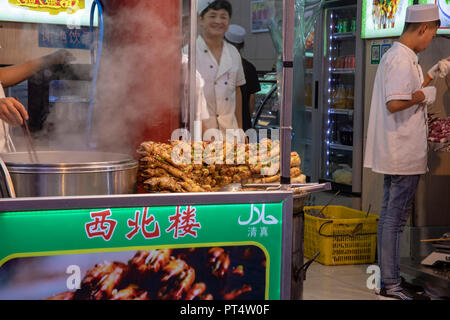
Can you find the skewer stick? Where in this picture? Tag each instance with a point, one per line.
(430, 240)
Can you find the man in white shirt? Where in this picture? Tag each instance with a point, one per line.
(220, 65)
(397, 140)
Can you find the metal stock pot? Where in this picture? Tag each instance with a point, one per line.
(71, 173)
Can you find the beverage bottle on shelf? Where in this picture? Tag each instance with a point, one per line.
(339, 63)
(340, 97)
(350, 100)
(343, 96)
(333, 97)
(353, 25)
(345, 26)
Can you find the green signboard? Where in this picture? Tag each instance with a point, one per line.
(230, 251)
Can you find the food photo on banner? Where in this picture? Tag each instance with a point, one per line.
(261, 14)
(197, 273)
(383, 18)
(444, 14)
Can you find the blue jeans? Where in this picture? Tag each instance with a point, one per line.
(398, 197)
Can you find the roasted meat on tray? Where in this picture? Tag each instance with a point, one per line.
(201, 167)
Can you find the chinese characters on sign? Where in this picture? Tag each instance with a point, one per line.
(51, 6)
(101, 227)
(183, 223)
(56, 36)
(142, 226)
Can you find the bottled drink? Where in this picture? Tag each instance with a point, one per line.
(345, 26)
(333, 97)
(353, 26)
(350, 99)
(340, 97)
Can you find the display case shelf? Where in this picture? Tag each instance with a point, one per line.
(342, 71)
(344, 36)
(348, 112)
(340, 147)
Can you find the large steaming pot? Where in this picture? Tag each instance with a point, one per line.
(71, 173)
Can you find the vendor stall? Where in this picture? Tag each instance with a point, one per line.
(106, 225)
(204, 246)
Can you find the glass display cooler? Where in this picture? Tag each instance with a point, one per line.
(342, 107)
(328, 126)
(266, 115)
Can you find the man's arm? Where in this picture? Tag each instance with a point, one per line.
(13, 75)
(399, 105)
(10, 76)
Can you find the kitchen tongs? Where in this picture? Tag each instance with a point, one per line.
(29, 142)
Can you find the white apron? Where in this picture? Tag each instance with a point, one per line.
(397, 142)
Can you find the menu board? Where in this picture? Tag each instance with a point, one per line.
(383, 18)
(68, 12)
(444, 14)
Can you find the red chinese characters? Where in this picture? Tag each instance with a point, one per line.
(184, 223)
(101, 226)
(145, 221)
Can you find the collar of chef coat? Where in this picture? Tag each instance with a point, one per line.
(411, 54)
(226, 62)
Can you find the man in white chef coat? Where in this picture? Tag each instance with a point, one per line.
(12, 112)
(220, 65)
(397, 140)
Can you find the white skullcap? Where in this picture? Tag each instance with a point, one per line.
(422, 13)
(203, 4)
(235, 34)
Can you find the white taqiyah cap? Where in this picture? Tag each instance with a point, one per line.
(235, 34)
(422, 13)
(203, 4)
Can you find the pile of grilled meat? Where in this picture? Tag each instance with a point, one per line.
(202, 167)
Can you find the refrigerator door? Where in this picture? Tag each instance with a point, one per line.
(266, 115)
(306, 115)
(341, 155)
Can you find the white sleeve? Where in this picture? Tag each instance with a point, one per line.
(399, 80)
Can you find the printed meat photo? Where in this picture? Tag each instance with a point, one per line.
(221, 273)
